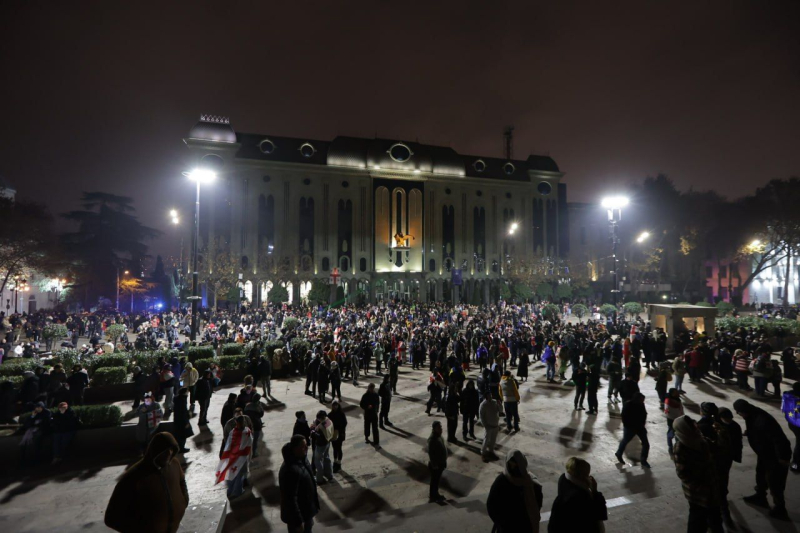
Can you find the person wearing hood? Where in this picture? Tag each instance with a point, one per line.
(167, 388)
(634, 421)
(515, 499)
(437, 461)
(489, 415)
(29, 390)
(773, 449)
(150, 415)
(694, 464)
(579, 506)
(790, 407)
(509, 395)
(204, 388)
(152, 494)
(227, 409)
(339, 419)
(246, 393)
(34, 429)
(139, 380)
(190, 377)
(299, 500)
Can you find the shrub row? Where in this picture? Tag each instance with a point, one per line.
(93, 416)
(233, 348)
(111, 375)
(194, 353)
(771, 327)
(17, 367)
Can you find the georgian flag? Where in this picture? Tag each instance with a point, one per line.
(235, 455)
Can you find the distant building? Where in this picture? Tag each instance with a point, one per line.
(396, 218)
(724, 280)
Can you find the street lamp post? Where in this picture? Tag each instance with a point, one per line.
(614, 205)
(175, 221)
(198, 175)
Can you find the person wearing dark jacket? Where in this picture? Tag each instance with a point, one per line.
(8, 402)
(203, 391)
(34, 430)
(264, 370)
(152, 494)
(385, 393)
(139, 380)
(515, 499)
(29, 390)
(634, 419)
(451, 411)
(323, 379)
(299, 500)
(246, 394)
(628, 388)
(65, 424)
(370, 403)
(255, 411)
(182, 428)
(768, 441)
(227, 409)
(469, 409)
(339, 420)
(335, 376)
(579, 506)
(437, 461)
(301, 426)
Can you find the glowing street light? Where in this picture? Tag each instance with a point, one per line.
(614, 205)
(615, 202)
(202, 175)
(511, 229)
(643, 236)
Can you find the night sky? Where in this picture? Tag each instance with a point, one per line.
(99, 95)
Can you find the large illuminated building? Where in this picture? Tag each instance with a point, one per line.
(396, 218)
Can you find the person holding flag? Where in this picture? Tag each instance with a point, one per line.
(234, 458)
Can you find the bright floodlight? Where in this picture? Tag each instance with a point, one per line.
(643, 236)
(755, 244)
(175, 220)
(173, 213)
(202, 175)
(615, 202)
(514, 226)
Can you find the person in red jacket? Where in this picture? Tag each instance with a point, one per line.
(694, 360)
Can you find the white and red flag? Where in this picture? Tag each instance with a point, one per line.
(235, 455)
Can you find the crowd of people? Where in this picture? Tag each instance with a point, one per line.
(475, 359)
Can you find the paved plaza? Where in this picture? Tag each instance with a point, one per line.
(386, 489)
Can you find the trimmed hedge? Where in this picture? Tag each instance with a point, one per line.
(113, 360)
(92, 416)
(301, 345)
(233, 348)
(769, 327)
(68, 357)
(195, 353)
(111, 375)
(16, 380)
(54, 331)
(232, 362)
(202, 364)
(16, 367)
(271, 346)
(290, 323)
(115, 331)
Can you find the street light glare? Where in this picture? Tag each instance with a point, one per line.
(643, 236)
(175, 220)
(756, 243)
(514, 226)
(202, 175)
(615, 202)
(173, 213)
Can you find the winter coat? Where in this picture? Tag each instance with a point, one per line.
(189, 376)
(65, 423)
(299, 500)
(469, 402)
(628, 389)
(576, 509)
(370, 399)
(227, 411)
(339, 420)
(766, 436)
(437, 453)
(506, 505)
(385, 393)
(508, 390)
(451, 406)
(182, 429)
(301, 427)
(522, 369)
(149, 419)
(204, 388)
(697, 473)
(679, 366)
(147, 498)
(256, 414)
(489, 413)
(634, 415)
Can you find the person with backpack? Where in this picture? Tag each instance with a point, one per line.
(322, 434)
(790, 407)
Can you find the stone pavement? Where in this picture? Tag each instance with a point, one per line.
(386, 490)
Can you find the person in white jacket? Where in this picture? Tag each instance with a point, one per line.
(489, 415)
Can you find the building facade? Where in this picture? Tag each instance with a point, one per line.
(378, 217)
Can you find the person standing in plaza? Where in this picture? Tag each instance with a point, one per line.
(339, 419)
(489, 414)
(437, 461)
(694, 464)
(741, 365)
(150, 415)
(469, 409)
(370, 403)
(152, 494)
(509, 395)
(516, 497)
(385, 393)
(190, 376)
(322, 434)
(634, 419)
(65, 424)
(592, 384)
(673, 409)
(299, 499)
(182, 428)
(204, 388)
(234, 458)
(255, 412)
(614, 370)
(579, 506)
(790, 407)
(451, 411)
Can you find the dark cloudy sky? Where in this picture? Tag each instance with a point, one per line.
(98, 95)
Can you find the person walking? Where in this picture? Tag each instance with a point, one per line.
(437, 461)
(299, 499)
(227, 409)
(182, 428)
(339, 419)
(634, 419)
(773, 450)
(790, 407)
(370, 403)
(385, 393)
(509, 395)
(469, 409)
(451, 411)
(152, 494)
(579, 506)
(489, 414)
(694, 464)
(234, 462)
(614, 370)
(435, 387)
(516, 497)
(204, 388)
